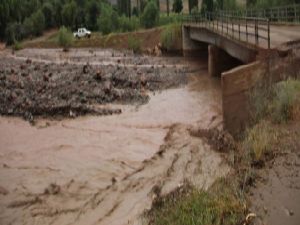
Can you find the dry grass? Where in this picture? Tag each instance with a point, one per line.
(222, 204)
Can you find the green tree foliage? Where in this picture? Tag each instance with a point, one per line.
(93, 11)
(48, 12)
(124, 7)
(177, 6)
(65, 38)
(38, 22)
(207, 5)
(150, 15)
(108, 21)
(69, 12)
(193, 4)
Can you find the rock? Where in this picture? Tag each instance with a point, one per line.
(45, 78)
(85, 68)
(157, 51)
(53, 189)
(107, 87)
(28, 61)
(98, 75)
(3, 191)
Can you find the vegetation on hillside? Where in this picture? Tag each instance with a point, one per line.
(21, 19)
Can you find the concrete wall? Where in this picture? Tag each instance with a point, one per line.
(220, 61)
(191, 47)
(238, 82)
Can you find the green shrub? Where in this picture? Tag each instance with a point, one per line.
(65, 38)
(286, 100)
(221, 205)
(164, 19)
(134, 44)
(278, 102)
(259, 141)
(17, 46)
(128, 24)
(170, 35)
(150, 15)
(14, 32)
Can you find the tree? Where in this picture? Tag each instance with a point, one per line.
(124, 7)
(168, 7)
(93, 11)
(150, 15)
(47, 10)
(69, 14)
(192, 4)
(108, 21)
(207, 5)
(38, 21)
(65, 38)
(177, 6)
(4, 17)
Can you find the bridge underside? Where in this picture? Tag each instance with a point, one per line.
(196, 38)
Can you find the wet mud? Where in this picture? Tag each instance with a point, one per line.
(41, 85)
(109, 170)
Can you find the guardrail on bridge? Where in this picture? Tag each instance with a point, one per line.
(251, 30)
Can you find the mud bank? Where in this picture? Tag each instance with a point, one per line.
(108, 170)
(52, 83)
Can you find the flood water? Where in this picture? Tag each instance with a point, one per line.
(91, 150)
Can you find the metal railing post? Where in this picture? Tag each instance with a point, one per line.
(256, 31)
(269, 38)
(247, 30)
(239, 29)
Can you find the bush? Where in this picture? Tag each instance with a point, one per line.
(134, 44)
(164, 19)
(221, 204)
(65, 38)
(128, 24)
(280, 102)
(170, 35)
(259, 141)
(17, 46)
(286, 100)
(14, 32)
(150, 15)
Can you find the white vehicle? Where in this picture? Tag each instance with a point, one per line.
(82, 32)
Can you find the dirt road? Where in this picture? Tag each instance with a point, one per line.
(108, 170)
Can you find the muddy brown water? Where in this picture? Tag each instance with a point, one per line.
(103, 170)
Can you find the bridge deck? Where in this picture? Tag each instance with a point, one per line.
(279, 34)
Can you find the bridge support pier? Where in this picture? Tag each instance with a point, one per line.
(220, 61)
(191, 47)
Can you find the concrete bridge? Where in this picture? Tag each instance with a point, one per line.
(242, 43)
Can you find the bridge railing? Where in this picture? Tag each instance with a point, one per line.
(252, 30)
(281, 14)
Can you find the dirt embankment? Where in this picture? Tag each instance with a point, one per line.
(276, 195)
(31, 87)
(148, 40)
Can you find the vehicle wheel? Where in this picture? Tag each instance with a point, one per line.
(89, 36)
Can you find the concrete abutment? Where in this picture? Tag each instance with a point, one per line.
(220, 61)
